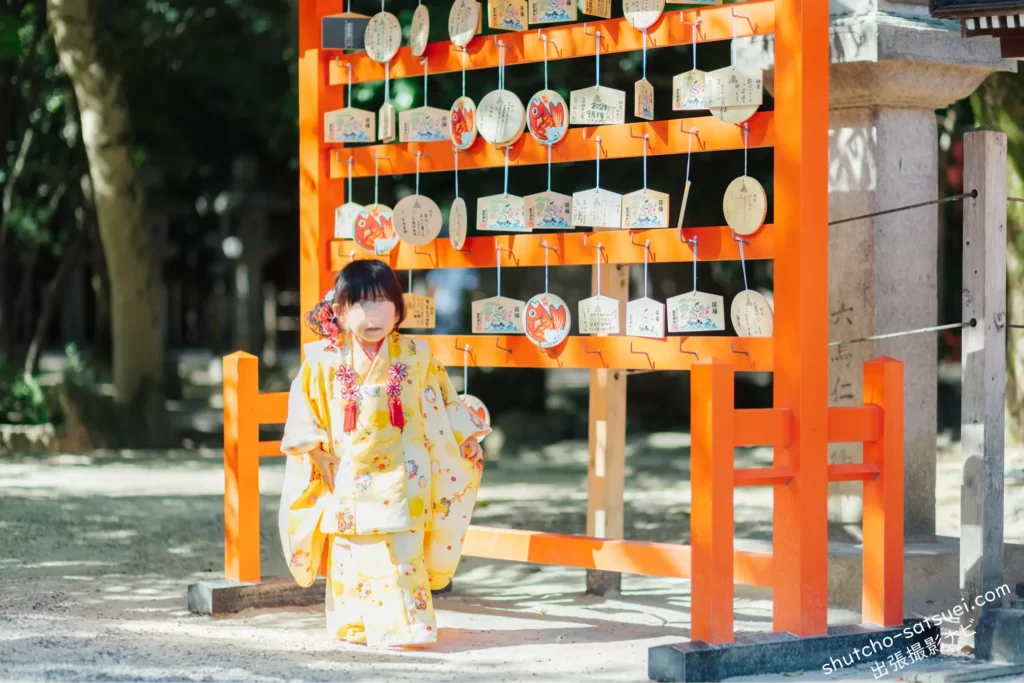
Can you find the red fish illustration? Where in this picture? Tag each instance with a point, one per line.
(540, 320)
(372, 227)
(479, 414)
(544, 115)
(462, 122)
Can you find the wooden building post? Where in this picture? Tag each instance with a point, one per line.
(606, 469)
(983, 364)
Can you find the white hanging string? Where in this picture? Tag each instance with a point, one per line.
(647, 246)
(549, 167)
(746, 131)
(387, 83)
(350, 178)
(599, 248)
(501, 65)
(455, 152)
(646, 136)
(693, 41)
(348, 96)
(418, 155)
(547, 253)
(497, 248)
(597, 183)
(545, 39)
(410, 281)
(465, 369)
(743, 264)
(424, 62)
(506, 171)
(689, 151)
(376, 180)
(694, 243)
(643, 52)
(597, 59)
(463, 73)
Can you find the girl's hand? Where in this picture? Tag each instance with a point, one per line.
(472, 451)
(325, 463)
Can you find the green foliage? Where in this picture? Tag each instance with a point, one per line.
(22, 400)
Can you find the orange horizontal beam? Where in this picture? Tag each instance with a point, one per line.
(612, 555)
(852, 424)
(762, 476)
(269, 449)
(617, 142)
(762, 427)
(858, 471)
(272, 408)
(618, 247)
(619, 353)
(567, 41)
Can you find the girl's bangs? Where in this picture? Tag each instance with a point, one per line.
(359, 289)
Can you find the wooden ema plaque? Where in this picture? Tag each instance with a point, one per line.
(345, 220)
(350, 125)
(420, 312)
(417, 219)
(598, 8)
(464, 21)
(597, 106)
(507, 15)
(645, 209)
(462, 123)
(383, 37)
(597, 208)
(732, 94)
(498, 315)
(599, 315)
(548, 211)
(645, 318)
(546, 320)
(502, 213)
(642, 14)
(552, 11)
(688, 91)
(458, 223)
(419, 32)
(745, 205)
(423, 124)
(696, 312)
(752, 315)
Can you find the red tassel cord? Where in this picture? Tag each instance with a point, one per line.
(397, 415)
(396, 374)
(351, 410)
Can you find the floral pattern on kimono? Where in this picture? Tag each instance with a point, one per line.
(393, 486)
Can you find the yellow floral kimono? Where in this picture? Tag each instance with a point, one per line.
(393, 527)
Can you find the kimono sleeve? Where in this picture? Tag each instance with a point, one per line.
(463, 423)
(305, 426)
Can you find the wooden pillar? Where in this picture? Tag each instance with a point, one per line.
(318, 194)
(606, 471)
(712, 527)
(983, 364)
(800, 520)
(882, 599)
(241, 468)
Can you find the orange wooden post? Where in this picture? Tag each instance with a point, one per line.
(241, 468)
(800, 540)
(712, 412)
(318, 194)
(883, 497)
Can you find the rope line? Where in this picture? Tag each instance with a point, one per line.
(938, 328)
(943, 200)
(1015, 199)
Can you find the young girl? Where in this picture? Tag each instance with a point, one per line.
(383, 465)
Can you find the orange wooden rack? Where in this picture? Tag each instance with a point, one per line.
(800, 425)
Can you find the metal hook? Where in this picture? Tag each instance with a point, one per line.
(693, 132)
(735, 350)
(646, 137)
(598, 352)
(600, 148)
(641, 353)
(377, 158)
(596, 34)
(599, 246)
(646, 245)
(433, 257)
(682, 350)
(753, 26)
(510, 251)
(739, 239)
(544, 245)
(695, 24)
(543, 36)
(498, 344)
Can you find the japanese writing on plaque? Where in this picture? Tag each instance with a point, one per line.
(597, 106)
(420, 312)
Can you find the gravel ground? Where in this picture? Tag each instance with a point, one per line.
(98, 551)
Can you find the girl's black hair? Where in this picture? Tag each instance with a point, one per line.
(362, 280)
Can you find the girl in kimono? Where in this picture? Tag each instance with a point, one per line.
(383, 468)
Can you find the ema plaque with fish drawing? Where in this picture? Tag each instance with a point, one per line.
(552, 11)
(547, 117)
(645, 209)
(645, 318)
(478, 413)
(462, 123)
(375, 230)
(350, 125)
(501, 212)
(696, 312)
(548, 211)
(423, 124)
(498, 315)
(546, 320)
(507, 15)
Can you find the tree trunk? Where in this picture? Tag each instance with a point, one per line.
(119, 200)
(999, 103)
